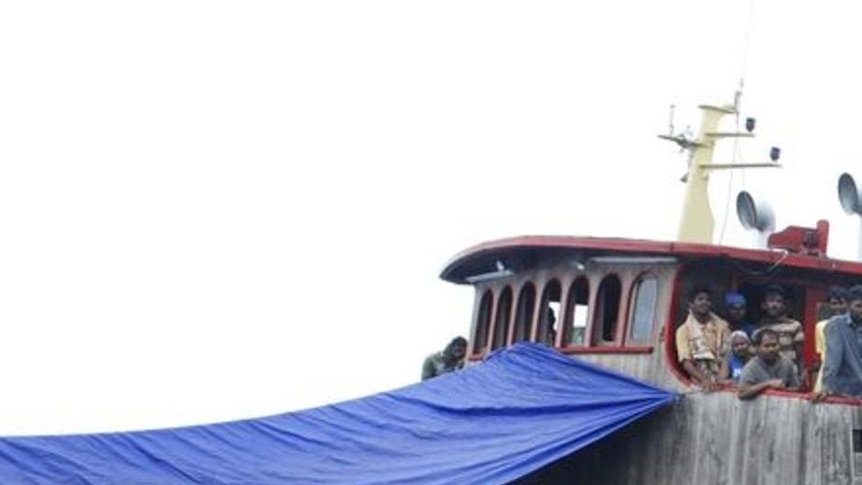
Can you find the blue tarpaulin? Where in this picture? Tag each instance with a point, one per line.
(521, 409)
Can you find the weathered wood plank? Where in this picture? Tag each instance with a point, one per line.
(717, 439)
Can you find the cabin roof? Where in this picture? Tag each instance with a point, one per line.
(525, 252)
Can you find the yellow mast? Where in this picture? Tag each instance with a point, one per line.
(697, 222)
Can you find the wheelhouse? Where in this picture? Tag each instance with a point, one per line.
(606, 299)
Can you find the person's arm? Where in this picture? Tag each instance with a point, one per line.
(682, 351)
(833, 358)
(724, 353)
(820, 341)
(748, 391)
(813, 372)
(684, 355)
(724, 370)
(428, 370)
(820, 347)
(800, 367)
(699, 377)
(798, 346)
(793, 383)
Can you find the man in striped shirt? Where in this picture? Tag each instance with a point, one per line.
(790, 334)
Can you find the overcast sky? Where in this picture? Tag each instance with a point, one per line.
(219, 210)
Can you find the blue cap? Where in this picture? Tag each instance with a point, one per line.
(733, 299)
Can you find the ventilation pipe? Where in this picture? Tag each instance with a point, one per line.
(851, 202)
(757, 215)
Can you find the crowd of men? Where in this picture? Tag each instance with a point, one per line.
(756, 356)
(733, 351)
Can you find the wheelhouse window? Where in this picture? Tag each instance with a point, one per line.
(501, 323)
(546, 332)
(577, 307)
(483, 322)
(739, 296)
(607, 310)
(643, 310)
(524, 315)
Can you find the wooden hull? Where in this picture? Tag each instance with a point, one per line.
(718, 439)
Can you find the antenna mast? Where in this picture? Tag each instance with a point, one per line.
(697, 223)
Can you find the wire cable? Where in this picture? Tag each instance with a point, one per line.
(735, 154)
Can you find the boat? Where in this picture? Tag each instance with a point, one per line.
(572, 374)
(617, 303)
(571, 377)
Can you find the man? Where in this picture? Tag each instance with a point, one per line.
(837, 305)
(768, 369)
(702, 341)
(740, 354)
(842, 367)
(550, 329)
(736, 312)
(790, 335)
(449, 360)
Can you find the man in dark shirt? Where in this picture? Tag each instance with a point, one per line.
(449, 360)
(842, 367)
(769, 369)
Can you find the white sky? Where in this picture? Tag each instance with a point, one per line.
(220, 210)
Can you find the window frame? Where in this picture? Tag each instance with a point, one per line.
(542, 323)
(522, 322)
(569, 306)
(503, 330)
(632, 308)
(482, 326)
(597, 323)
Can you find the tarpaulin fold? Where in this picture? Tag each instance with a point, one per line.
(522, 408)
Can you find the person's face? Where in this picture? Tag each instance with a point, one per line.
(701, 305)
(739, 346)
(456, 351)
(768, 349)
(855, 311)
(837, 306)
(773, 305)
(736, 313)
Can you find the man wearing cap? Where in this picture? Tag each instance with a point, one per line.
(736, 312)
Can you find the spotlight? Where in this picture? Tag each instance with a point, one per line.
(749, 124)
(774, 154)
(848, 194)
